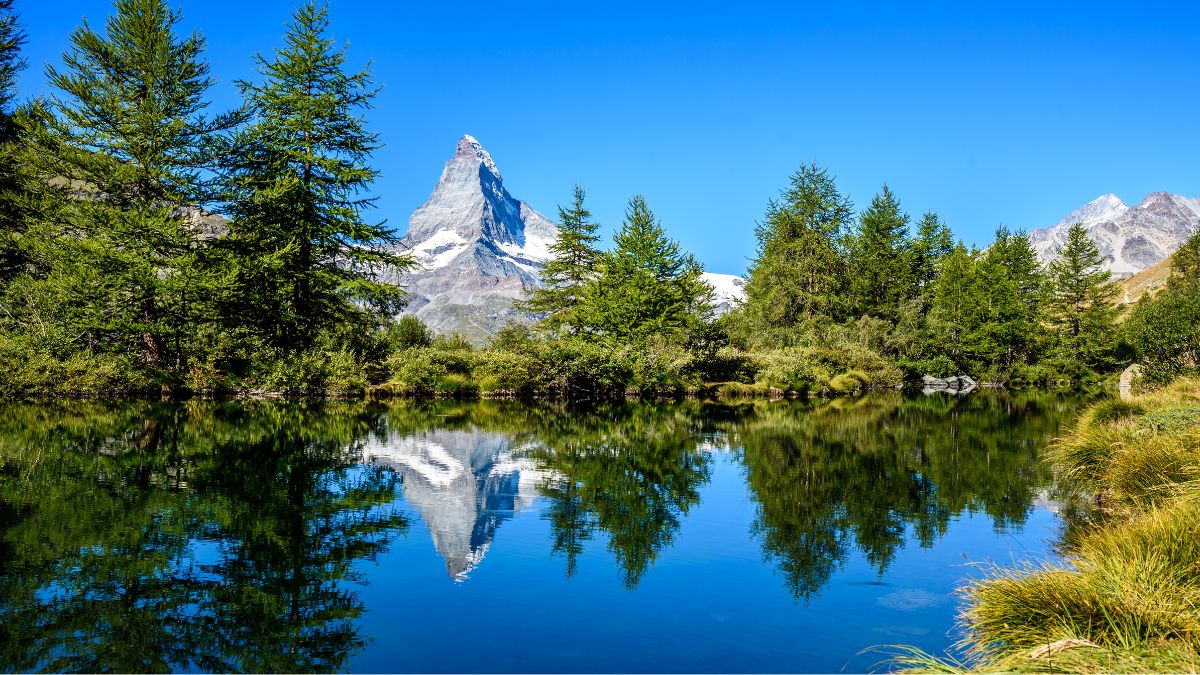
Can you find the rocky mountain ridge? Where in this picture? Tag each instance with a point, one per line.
(480, 249)
(1131, 238)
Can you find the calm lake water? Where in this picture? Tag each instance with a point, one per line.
(449, 537)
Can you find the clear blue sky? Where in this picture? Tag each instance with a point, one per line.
(988, 113)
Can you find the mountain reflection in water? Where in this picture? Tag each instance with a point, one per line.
(237, 536)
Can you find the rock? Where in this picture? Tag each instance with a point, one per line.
(957, 384)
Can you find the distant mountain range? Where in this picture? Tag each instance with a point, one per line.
(1131, 238)
(480, 249)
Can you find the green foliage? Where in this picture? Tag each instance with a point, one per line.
(1081, 306)
(1165, 332)
(645, 286)
(125, 155)
(565, 275)
(407, 331)
(1185, 263)
(302, 254)
(878, 258)
(12, 221)
(798, 276)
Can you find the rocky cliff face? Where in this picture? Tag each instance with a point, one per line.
(479, 248)
(1131, 238)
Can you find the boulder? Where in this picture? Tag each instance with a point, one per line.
(957, 384)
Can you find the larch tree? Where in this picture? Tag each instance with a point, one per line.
(1081, 305)
(304, 256)
(128, 150)
(797, 277)
(12, 38)
(645, 285)
(573, 264)
(879, 266)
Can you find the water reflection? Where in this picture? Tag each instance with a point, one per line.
(148, 537)
(155, 538)
(464, 483)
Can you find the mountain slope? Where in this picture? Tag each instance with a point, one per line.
(479, 248)
(1131, 238)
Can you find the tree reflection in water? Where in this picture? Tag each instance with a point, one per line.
(143, 537)
(150, 537)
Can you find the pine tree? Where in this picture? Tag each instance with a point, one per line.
(797, 278)
(879, 262)
(646, 285)
(1185, 263)
(956, 306)
(932, 243)
(1014, 287)
(304, 256)
(127, 151)
(573, 264)
(1081, 305)
(12, 37)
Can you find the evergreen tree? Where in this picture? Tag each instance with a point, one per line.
(1081, 305)
(573, 264)
(12, 38)
(126, 150)
(955, 311)
(880, 267)
(646, 285)
(797, 277)
(1013, 284)
(304, 256)
(1185, 264)
(932, 243)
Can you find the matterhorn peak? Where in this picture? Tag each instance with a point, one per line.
(471, 149)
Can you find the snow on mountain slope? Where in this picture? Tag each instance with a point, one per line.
(479, 249)
(728, 290)
(1131, 238)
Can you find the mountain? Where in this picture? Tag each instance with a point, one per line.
(728, 290)
(480, 249)
(1131, 238)
(464, 483)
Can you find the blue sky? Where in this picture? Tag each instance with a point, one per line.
(988, 113)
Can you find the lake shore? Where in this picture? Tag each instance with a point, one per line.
(1125, 600)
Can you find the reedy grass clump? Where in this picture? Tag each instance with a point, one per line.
(1127, 598)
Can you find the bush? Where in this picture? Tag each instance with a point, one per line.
(408, 331)
(509, 373)
(29, 372)
(1165, 333)
(430, 371)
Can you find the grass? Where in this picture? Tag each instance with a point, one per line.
(1127, 597)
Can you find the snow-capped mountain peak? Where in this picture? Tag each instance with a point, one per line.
(1131, 238)
(1100, 210)
(478, 247)
(468, 148)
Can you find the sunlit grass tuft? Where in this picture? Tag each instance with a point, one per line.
(1127, 598)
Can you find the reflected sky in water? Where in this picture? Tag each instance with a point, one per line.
(449, 537)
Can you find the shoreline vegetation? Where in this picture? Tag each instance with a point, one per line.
(117, 279)
(1127, 597)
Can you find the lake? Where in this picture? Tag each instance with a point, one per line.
(782, 536)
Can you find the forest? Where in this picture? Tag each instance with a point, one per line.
(117, 277)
